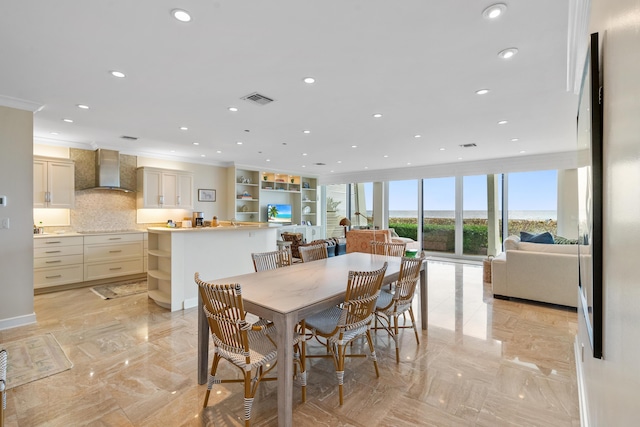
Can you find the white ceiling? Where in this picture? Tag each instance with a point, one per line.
(417, 62)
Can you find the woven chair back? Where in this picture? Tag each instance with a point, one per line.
(408, 278)
(313, 252)
(363, 288)
(226, 316)
(388, 248)
(271, 260)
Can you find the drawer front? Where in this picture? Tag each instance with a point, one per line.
(54, 276)
(48, 242)
(112, 269)
(57, 261)
(113, 238)
(112, 252)
(58, 251)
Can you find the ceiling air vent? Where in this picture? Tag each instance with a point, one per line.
(468, 145)
(257, 98)
(130, 138)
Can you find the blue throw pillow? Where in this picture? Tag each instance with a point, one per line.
(545, 237)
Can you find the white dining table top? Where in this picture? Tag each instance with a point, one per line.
(289, 289)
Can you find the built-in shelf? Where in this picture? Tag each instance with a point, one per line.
(161, 298)
(159, 274)
(159, 253)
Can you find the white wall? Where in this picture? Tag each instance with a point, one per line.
(612, 384)
(16, 243)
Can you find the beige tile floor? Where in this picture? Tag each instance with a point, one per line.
(482, 362)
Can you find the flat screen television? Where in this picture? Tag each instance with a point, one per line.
(279, 213)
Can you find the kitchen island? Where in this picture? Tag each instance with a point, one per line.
(176, 254)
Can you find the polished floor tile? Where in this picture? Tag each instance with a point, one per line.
(482, 362)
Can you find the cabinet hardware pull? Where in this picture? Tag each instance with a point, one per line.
(53, 277)
(51, 242)
(115, 268)
(179, 201)
(53, 262)
(161, 201)
(113, 252)
(115, 238)
(52, 252)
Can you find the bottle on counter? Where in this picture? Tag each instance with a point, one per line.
(214, 221)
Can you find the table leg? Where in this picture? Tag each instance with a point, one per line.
(203, 344)
(424, 297)
(285, 325)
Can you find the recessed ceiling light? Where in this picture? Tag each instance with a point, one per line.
(503, 122)
(268, 160)
(309, 80)
(82, 106)
(339, 161)
(304, 154)
(219, 151)
(181, 15)
(239, 143)
(495, 10)
(354, 146)
(377, 115)
(203, 155)
(67, 120)
(234, 109)
(366, 167)
(522, 152)
(417, 136)
(304, 166)
(441, 149)
(118, 74)
(184, 128)
(196, 143)
(385, 156)
(459, 158)
(508, 53)
(482, 91)
(54, 133)
(514, 139)
(173, 151)
(408, 163)
(306, 131)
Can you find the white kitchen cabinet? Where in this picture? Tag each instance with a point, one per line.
(57, 261)
(113, 255)
(164, 188)
(53, 183)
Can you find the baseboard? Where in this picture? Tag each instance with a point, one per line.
(582, 396)
(14, 322)
(191, 302)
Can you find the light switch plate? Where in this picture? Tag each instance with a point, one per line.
(4, 223)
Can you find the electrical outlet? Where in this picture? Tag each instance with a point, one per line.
(4, 222)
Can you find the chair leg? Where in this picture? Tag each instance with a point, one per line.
(248, 399)
(413, 323)
(395, 337)
(373, 352)
(339, 358)
(212, 378)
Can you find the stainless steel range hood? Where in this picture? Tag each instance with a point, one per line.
(108, 171)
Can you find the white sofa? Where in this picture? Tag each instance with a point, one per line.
(537, 272)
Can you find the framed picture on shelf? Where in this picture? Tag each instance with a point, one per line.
(206, 195)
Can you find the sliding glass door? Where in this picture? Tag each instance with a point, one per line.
(439, 196)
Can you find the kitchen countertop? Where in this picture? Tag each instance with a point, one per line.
(86, 233)
(244, 226)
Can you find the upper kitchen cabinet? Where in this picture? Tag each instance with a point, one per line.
(164, 188)
(53, 183)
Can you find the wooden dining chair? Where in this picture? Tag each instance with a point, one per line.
(313, 252)
(392, 305)
(249, 347)
(388, 248)
(337, 327)
(271, 260)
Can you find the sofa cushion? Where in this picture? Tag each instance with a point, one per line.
(511, 243)
(545, 237)
(548, 248)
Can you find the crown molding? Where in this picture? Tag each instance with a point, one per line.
(20, 104)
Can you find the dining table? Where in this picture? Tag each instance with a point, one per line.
(289, 294)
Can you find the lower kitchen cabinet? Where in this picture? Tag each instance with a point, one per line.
(57, 261)
(112, 255)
